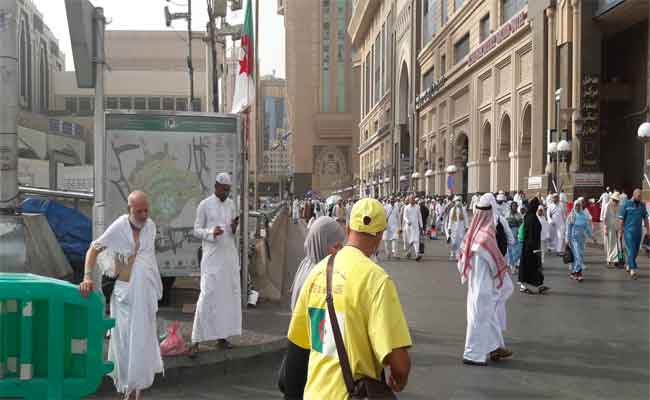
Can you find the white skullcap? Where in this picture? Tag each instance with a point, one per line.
(501, 197)
(457, 198)
(224, 179)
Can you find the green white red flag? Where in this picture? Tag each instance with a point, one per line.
(244, 94)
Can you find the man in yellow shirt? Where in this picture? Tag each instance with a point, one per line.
(368, 311)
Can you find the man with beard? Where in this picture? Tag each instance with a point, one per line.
(127, 250)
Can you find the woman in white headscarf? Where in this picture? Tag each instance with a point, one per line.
(325, 237)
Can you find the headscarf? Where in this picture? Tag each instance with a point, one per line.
(482, 231)
(574, 214)
(324, 233)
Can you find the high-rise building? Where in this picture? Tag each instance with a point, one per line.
(322, 93)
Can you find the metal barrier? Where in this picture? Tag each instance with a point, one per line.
(51, 339)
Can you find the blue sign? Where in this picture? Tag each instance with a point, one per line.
(450, 182)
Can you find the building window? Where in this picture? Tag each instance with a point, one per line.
(429, 19)
(181, 104)
(458, 4)
(125, 103)
(461, 49)
(443, 65)
(111, 103)
(377, 79)
(85, 106)
(509, 8)
(325, 55)
(154, 103)
(168, 103)
(25, 63)
(44, 80)
(71, 105)
(367, 100)
(484, 28)
(444, 15)
(427, 79)
(140, 103)
(387, 52)
(196, 105)
(341, 8)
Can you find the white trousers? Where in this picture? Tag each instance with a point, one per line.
(390, 247)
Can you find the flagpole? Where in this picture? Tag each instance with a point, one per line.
(257, 101)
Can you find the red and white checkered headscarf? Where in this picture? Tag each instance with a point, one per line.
(482, 231)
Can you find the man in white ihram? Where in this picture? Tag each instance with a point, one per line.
(218, 311)
(391, 234)
(412, 227)
(127, 250)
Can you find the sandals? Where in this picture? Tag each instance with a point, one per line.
(525, 290)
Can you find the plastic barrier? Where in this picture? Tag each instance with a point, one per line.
(51, 339)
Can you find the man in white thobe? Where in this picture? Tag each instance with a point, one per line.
(484, 269)
(295, 211)
(391, 234)
(412, 222)
(556, 221)
(126, 250)
(457, 223)
(218, 311)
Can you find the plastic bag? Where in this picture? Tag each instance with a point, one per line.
(173, 345)
(568, 255)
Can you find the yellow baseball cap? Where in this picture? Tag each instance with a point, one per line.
(368, 216)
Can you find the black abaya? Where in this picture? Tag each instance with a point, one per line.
(530, 268)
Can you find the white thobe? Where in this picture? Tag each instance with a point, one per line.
(604, 200)
(391, 234)
(456, 227)
(218, 311)
(412, 220)
(556, 225)
(295, 211)
(486, 307)
(133, 347)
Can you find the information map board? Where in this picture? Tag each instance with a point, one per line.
(174, 158)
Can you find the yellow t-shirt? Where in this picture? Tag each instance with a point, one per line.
(370, 316)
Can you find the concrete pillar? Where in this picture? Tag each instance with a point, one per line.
(550, 93)
(494, 15)
(576, 81)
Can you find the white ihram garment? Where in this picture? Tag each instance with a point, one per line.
(413, 226)
(133, 347)
(218, 311)
(556, 227)
(486, 307)
(391, 234)
(456, 227)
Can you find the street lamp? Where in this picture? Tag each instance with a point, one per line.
(644, 136)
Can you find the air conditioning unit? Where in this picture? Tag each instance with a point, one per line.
(219, 8)
(235, 5)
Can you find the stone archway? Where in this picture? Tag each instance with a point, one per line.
(524, 150)
(484, 182)
(502, 155)
(403, 120)
(459, 158)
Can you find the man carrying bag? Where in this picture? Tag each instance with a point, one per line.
(351, 322)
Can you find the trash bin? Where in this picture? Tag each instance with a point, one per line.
(51, 339)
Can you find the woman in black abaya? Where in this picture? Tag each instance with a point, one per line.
(531, 277)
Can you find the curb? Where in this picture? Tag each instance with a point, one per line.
(214, 357)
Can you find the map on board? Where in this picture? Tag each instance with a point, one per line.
(174, 159)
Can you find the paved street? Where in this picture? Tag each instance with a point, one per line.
(584, 340)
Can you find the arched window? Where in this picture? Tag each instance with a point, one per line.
(44, 80)
(25, 63)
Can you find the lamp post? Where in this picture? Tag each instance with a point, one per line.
(552, 153)
(644, 136)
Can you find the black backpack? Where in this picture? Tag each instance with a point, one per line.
(502, 238)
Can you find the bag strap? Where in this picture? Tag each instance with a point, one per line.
(336, 330)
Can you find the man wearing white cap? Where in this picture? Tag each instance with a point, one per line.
(556, 220)
(218, 311)
(457, 224)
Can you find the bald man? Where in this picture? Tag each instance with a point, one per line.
(127, 250)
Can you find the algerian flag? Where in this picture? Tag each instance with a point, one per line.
(245, 83)
(322, 336)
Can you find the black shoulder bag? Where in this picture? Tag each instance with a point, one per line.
(364, 388)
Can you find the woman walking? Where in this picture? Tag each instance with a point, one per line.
(515, 219)
(610, 229)
(578, 226)
(531, 278)
(325, 237)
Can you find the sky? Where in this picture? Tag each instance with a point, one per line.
(149, 15)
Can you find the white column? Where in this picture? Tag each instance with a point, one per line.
(577, 81)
